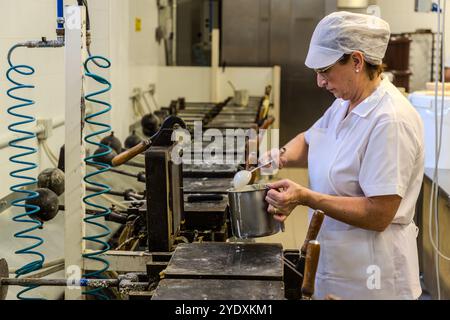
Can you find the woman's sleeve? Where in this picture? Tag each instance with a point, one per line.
(388, 162)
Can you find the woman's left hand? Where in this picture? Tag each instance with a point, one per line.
(283, 197)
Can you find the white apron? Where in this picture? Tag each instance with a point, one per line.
(355, 263)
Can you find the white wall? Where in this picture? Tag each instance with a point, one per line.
(401, 17)
(113, 37)
(28, 20)
(133, 55)
(145, 54)
(136, 59)
(194, 83)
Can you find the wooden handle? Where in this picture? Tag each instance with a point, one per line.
(130, 153)
(264, 110)
(313, 229)
(311, 263)
(267, 123)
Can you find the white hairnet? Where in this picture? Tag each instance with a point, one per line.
(344, 32)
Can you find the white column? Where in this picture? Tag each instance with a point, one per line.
(276, 86)
(119, 73)
(74, 231)
(215, 90)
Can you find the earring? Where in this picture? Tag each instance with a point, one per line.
(357, 70)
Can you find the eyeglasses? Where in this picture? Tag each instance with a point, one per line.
(323, 70)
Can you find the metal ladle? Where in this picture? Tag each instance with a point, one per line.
(243, 177)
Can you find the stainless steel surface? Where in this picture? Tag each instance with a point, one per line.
(277, 32)
(188, 28)
(245, 29)
(193, 31)
(241, 97)
(248, 213)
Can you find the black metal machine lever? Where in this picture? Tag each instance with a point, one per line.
(162, 137)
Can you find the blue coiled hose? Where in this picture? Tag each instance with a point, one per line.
(19, 158)
(96, 219)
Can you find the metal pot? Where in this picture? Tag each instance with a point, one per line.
(241, 97)
(248, 213)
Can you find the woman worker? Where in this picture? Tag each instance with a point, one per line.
(365, 158)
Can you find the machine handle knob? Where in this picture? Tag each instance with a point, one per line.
(130, 153)
(313, 229)
(267, 123)
(311, 263)
(268, 90)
